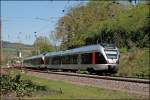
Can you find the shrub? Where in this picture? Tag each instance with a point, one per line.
(19, 86)
(135, 63)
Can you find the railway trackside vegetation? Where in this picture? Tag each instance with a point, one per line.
(14, 85)
(31, 87)
(72, 91)
(18, 86)
(134, 63)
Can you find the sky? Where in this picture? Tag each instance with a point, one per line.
(21, 19)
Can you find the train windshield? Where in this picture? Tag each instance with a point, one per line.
(108, 46)
(111, 54)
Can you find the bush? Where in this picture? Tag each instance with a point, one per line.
(6, 84)
(123, 50)
(134, 63)
(19, 86)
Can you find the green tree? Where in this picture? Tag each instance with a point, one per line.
(42, 45)
(105, 21)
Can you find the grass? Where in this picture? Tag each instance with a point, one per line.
(73, 91)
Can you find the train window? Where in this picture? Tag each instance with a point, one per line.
(30, 62)
(86, 58)
(100, 58)
(111, 56)
(66, 59)
(73, 59)
(35, 61)
(56, 60)
(48, 60)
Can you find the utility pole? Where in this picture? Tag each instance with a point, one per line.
(1, 48)
(54, 39)
(19, 45)
(36, 47)
(19, 55)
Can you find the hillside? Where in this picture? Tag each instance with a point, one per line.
(9, 50)
(6, 44)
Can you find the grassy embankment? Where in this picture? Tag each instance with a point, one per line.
(134, 63)
(72, 91)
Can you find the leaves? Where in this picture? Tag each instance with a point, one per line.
(97, 21)
(21, 87)
(42, 45)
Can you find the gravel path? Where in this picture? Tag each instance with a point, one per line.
(136, 88)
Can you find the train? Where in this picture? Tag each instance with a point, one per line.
(98, 58)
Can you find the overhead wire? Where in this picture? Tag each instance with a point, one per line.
(10, 19)
(65, 7)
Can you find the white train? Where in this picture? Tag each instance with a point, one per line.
(100, 58)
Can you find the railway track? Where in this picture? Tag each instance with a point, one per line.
(117, 78)
(136, 86)
(105, 77)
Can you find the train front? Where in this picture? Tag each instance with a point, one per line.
(111, 53)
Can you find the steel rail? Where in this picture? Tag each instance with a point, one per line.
(134, 80)
(118, 78)
(105, 77)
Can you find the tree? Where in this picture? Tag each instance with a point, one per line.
(42, 45)
(105, 21)
(84, 21)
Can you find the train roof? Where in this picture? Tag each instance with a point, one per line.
(76, 50)
(82, 49)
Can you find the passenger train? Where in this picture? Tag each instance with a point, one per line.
(99, 58)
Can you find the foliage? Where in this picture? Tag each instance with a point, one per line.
(42, 45)
(105, 21)
(123, 50)
(19, 86)
(134, 63)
